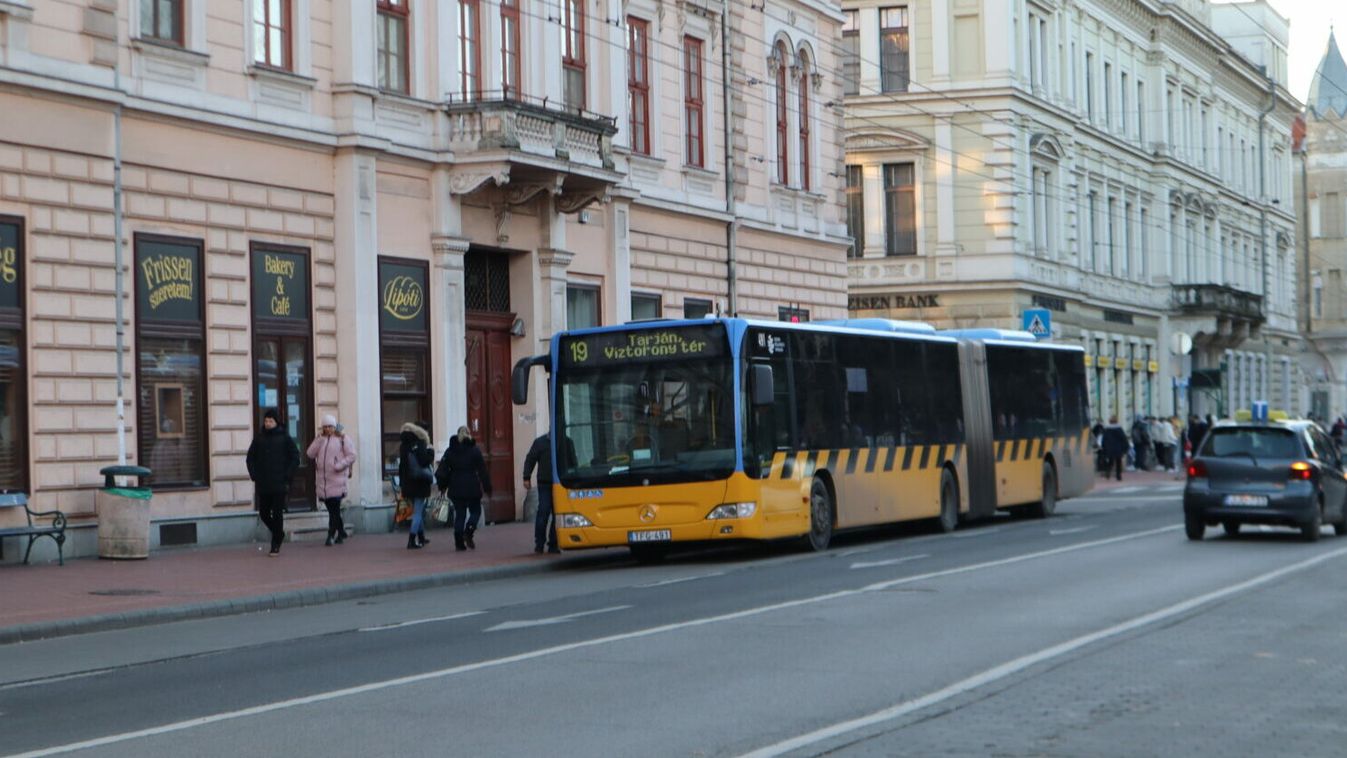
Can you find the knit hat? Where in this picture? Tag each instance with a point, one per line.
(329, 420)
(271, 413)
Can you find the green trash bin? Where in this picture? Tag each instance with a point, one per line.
(123, 515)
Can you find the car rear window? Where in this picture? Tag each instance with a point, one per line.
(1260, 443)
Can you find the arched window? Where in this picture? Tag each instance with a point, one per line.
(780, 56)
(804, 119)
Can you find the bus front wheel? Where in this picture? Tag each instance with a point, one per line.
(820, 517)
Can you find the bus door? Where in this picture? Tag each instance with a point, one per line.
(771, 431)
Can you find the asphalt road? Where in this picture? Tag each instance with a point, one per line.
(1101, 631)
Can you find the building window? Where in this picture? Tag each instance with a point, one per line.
(804, 120)
(693, 104)
(900, 210)
(161, 20)
(851, 54)
(645, 307)
(1089, 85)
(1108, 95)
(13, 374)
(780, 56)
(1332, 224)
(404, 351)
(271, 33)
(509, 49)
(856, 211)
(1042, 212)
(1144, 265)
(573, 60)
(1123, 95)
(392, 32)
(582, 306)
(792, 315)
(893, 49)
(1111, 208)
(696, 308)
(469, 49)
(171, 361)
(1092, 218)
(638, 83)
(1141, 111)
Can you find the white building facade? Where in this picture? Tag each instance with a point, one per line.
(1097, 163)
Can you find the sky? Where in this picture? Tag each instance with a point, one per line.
(1310, 21)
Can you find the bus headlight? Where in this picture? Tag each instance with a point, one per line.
(732, 510)
(573, 520)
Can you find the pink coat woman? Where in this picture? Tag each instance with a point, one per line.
(332, 456)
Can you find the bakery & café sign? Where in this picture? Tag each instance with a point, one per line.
(280, 285)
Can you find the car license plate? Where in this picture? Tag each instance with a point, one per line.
(653, 535)
(1255, 500)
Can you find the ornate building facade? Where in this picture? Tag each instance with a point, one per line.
(1119, 171)
(372, 208)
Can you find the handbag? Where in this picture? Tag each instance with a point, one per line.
(403, 513)
(442, 512)
(421, 474)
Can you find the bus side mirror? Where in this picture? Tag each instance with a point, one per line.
(519, 378)
(762, 385)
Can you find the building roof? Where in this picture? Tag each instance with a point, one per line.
(1328, 93)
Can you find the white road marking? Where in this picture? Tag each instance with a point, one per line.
(399, 625)
(1017, 665)
(975, 532)
(889, 562)
(1125, 490)
(679, 580)
(553, 620)
(1076, 530)
(425, 676)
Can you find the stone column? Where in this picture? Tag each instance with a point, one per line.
(357, 288)
(449, 374)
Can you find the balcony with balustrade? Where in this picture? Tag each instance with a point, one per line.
(531, 143)
(1224, 316)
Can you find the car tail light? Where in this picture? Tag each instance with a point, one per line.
(1197, 470)
(1302, 471)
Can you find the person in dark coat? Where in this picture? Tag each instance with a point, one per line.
(416, 456)
(462, 473)
(1115, 447)
(540, 455)
(273, 459)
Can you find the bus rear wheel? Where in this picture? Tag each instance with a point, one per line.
(949, 502)
(1048, 505)
(820, 517)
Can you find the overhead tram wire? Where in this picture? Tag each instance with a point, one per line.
(1016, 175)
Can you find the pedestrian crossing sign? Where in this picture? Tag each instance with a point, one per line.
(1038, 322)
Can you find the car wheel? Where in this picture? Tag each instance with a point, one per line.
(1310, 531)
(949, 502)
(820, 517)
(1193, 527)
(1048, 505)
(1231, 528)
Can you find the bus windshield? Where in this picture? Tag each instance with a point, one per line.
(637, 409)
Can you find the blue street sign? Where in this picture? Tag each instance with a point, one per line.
(1038, 322)
(1259, 410)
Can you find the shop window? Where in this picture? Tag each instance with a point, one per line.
(13, 376)
(171, 362)
(404, 350)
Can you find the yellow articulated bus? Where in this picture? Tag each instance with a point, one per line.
(731, 429)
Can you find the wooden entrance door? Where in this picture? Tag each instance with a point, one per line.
(490, 415)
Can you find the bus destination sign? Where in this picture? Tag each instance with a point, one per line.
(642, 346)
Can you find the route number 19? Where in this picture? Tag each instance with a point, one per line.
(579, 352)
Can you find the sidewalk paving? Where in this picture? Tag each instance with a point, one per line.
(89, 594)
(1139, 478)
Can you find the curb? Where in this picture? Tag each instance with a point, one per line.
(308, 596)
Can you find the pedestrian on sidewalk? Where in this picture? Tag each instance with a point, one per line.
(1115, 447)
(462, 473)
(416, 459)
(540, 455)
(273, 459)
(332, 454)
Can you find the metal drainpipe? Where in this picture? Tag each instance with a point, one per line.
(1262, 234)
(119, 277)
(731, 225)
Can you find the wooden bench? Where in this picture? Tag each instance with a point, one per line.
(55, 529)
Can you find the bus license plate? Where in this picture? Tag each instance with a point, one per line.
(1255, 500)
(654, 535)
